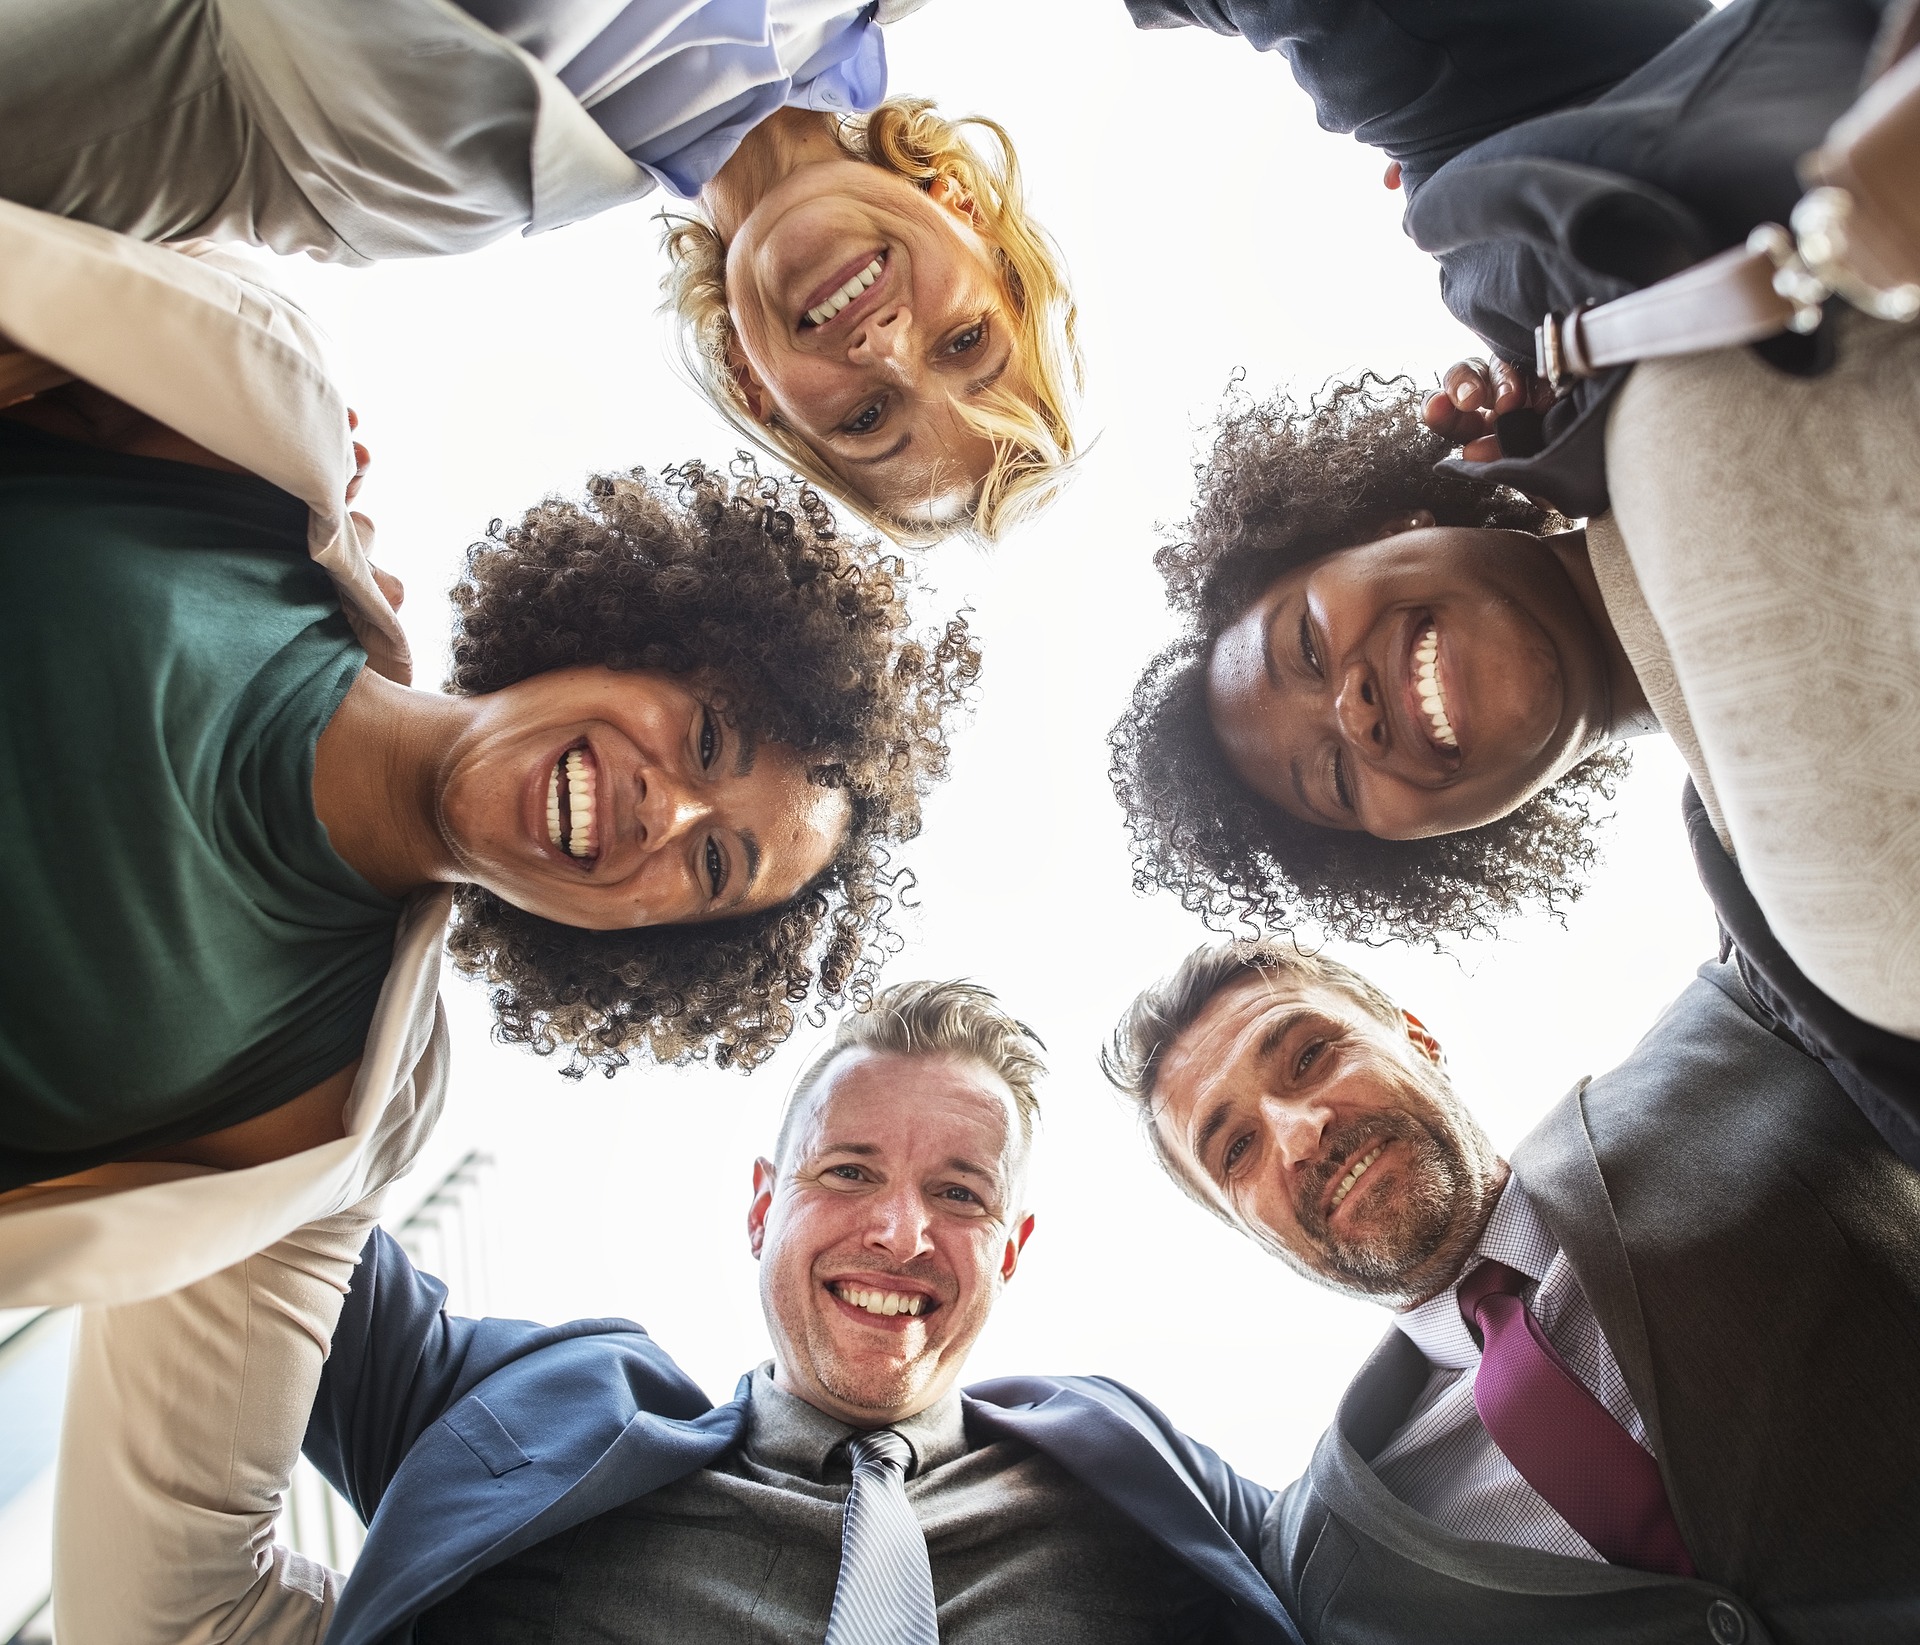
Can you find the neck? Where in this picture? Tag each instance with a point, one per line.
(376, 778)
(776, 148)
(1628, 714)
(1458, 1252)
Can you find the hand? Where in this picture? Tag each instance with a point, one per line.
(362, 459)
(388, 584)
(1472, 395)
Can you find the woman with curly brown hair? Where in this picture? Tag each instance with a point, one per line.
(1398, 695)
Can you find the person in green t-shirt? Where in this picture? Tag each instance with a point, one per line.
(684, 720)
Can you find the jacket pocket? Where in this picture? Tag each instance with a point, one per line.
(486, 1436)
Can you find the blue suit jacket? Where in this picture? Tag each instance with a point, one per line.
(461, 1442)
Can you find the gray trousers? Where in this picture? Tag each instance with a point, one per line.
(347, 129)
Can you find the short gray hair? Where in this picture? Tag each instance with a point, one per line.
(934, 1019)
(1161, 1013)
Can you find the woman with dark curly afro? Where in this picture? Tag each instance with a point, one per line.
(685, 722)
(1398, 696)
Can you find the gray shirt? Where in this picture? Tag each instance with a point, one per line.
(749, 1550)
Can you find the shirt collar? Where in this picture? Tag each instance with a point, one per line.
(1516, 1235)
(785, 1433)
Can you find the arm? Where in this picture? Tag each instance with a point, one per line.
(183, 1420)
(1424, 80)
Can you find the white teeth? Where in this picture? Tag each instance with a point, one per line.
(579, 841)
(846, 294)
(1359, 1170)
(1426, 680)
(887, 1303)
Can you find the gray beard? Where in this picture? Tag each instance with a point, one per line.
(1436, 1221)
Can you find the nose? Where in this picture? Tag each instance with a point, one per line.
(884, 339)
(1361, 711)
(1295, 1129)
(897, 1223)
(668, 813)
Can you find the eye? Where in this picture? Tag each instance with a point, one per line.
(866, 420)
(1309, 654)
(709, 738)
(716, 864)
(1236, 1151)
(962, 1196)
(1342, 791)
(970, 339)
(1309, 1057)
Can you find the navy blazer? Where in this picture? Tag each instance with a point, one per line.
(461, 1442)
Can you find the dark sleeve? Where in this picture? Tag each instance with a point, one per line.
(1879, 1070)
(400, 1361)
(1424, 79)
(1240, 1504)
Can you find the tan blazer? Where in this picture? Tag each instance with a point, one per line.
(193, 338)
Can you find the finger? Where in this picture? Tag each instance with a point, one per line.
(1467, 384)
(391, 586)
(1392, 178)
(361, 462)
(1486, 449)
(353, 418)
(1509, 386)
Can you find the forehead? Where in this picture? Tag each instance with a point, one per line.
(797, 822)
(910, 1106)
(1219, 1051)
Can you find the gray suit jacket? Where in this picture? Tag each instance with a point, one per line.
(1752, 1250)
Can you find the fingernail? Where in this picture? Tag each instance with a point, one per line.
(1462, 394)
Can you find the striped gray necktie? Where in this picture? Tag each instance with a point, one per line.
(885, 1592)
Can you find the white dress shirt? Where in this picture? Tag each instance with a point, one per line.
(1441, 1461)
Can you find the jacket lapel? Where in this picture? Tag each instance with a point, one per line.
(1121, 1460)
(452, 1513)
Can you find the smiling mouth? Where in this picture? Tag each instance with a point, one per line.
(837, 301)
(887, 1304)
(571, 787)
(1426, 685)
(1354, 1173)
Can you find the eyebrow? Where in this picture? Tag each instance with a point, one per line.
(1221, 1112)
(888, 455)
(1268, 660)
(747, 752)
(966, 1167)
(979, 385)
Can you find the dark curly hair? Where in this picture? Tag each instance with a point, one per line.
(742, 578)
(1283, 485)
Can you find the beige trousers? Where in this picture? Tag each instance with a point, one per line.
(1773, 524)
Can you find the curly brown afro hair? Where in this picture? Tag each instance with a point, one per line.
(1283, 485)
(744, 580)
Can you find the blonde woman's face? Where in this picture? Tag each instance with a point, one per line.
(867, 311)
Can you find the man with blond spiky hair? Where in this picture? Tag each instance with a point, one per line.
(533, 1483)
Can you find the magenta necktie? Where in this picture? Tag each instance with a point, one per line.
(1561, 1440)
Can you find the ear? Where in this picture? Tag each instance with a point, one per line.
(752, 391)
(1016, 1242)
(1419, 520)
(1423, 1041)
(947, 193)
(764, 1176)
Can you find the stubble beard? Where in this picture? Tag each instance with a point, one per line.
(1410, 1248)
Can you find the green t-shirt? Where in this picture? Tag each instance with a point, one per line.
(183, 949)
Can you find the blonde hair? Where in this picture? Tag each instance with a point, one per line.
(934, 1019)
(1034, 444)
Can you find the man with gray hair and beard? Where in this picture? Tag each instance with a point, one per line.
(1651, 1380)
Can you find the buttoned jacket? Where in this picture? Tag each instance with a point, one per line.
(1752, 1251)
(192, 337)
(464, 1441)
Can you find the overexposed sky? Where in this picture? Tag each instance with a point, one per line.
(1211, 229)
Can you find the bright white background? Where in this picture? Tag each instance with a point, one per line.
(1212, 229)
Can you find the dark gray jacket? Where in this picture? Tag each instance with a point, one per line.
(1753, 1253)
(1565, 153)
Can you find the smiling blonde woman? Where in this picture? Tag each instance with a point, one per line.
(868, 299)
